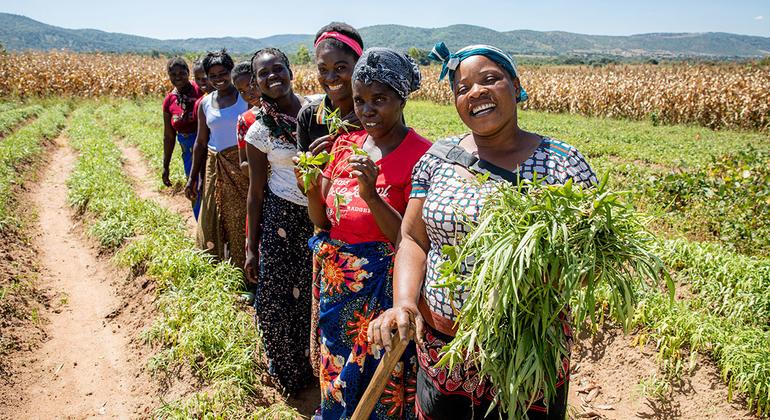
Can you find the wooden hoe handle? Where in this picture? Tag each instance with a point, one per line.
(380, 378)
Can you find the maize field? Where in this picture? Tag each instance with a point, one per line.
(714, 96)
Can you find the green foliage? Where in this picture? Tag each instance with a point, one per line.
(10, 118)
(419, 55)
(141, 126)
(730, 197)
(311, 166)
(21, 147)
(302, 56)
(533, 251)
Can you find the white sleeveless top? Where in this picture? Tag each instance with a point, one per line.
(222, 122)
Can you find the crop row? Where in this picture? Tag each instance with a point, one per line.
(723, 311)
(20, 147)
(198, 324)
(9, 119)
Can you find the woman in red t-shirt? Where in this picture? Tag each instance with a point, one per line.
(179, 120)
(359, 202)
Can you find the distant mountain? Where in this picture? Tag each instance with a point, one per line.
(22, 33)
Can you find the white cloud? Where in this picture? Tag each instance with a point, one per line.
(759, 18)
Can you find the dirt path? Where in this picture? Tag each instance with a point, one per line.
(84, 369)
(145, 187)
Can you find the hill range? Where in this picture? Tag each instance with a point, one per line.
(18, 33)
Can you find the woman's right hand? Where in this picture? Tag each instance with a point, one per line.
(250, 267)
(165, 177)
(191, 189)
(406, 319)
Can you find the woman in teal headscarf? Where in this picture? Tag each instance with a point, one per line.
(486, 89)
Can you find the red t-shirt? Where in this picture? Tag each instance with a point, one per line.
(183, 116)
(356, 222)
(245, 121)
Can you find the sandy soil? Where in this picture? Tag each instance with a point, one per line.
(84, 369)
(614, 366)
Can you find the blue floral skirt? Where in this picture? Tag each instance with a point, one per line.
(355, 287)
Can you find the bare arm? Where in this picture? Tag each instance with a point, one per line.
(198, 155)
(317, 191)
(257, 164)
(408, 277)
(386, 217)
(243, 159)
(316, 203)
(169, 140)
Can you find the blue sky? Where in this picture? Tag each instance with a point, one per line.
(194, 18)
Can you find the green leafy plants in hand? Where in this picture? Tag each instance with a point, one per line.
(536, 253)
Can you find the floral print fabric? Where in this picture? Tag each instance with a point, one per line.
(355, 287)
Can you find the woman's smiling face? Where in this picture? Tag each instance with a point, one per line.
(179, 76)
(484, 95)
(272, 75)
(248, 91)
(335, 70)
(219, 77)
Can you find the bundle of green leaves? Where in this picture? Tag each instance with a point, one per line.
(311, 166)
(536, 253)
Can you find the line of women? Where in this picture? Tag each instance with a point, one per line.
(339, 259)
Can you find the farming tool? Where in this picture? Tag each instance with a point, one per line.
(380, 378)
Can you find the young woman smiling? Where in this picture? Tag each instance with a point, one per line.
(278, 259)
(356, 246)
(220, 227)
(486, 91)
(179, 120)
(337, 49)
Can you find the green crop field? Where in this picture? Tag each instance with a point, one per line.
(707, 194)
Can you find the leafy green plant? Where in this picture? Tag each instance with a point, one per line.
(653, 387)
(311, 166)
(10, 118)
(335, 124)
(534, 250)
(21, 147)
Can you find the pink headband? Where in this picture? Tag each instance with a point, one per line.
(350, 42)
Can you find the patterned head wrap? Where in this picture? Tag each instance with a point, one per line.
(451, 61)
(388, 67)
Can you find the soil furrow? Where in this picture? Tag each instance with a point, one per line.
(144, 184)
(85, 369)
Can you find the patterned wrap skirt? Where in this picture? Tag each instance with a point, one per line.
(223, 208)
(355, 287)
(462, 393)
(282, 295)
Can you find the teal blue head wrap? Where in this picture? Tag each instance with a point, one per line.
(450, 62)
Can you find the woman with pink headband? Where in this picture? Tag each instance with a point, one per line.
(337, 49)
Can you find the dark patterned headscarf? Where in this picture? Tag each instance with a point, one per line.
(389, 67)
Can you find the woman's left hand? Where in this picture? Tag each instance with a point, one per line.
(363, 168)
